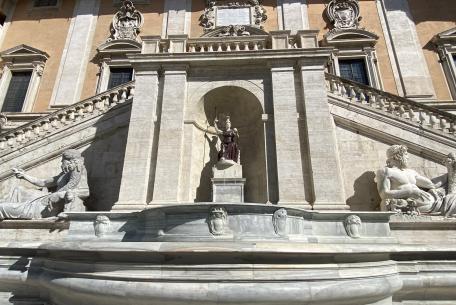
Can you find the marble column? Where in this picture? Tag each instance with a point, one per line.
(288, 148)
(293, 15)
(75, 57)
(411, 64)
(177, 17)
(171, 138)
(135, 187)
(325, 171)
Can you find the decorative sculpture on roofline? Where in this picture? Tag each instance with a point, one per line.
(126, 23)
(344, 14)
(229, 151)
(70, 189)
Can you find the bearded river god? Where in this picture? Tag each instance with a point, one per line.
(70, 189)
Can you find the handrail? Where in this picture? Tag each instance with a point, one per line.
(425, 115)
(42, 126)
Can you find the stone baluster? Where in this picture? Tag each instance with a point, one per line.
(98, 104)
(88, 107)
(255, 45)
(236, 46)
(422, 117)
(11, 140)
(19, 136)
(45, 124)
(391, 106)
(228, 47)
(362, 96)
(2, 143)
(36, 129)
(114, 98)
(401, 110)
(191, 48)
(210, 47)
(123, 96)
(202, 50)
(54, 122)
(372, 99)
(443, 125)
(131, 92)
(352, 93)
(452, 128)
(71, 114)
(246, 46)
(433, 121)
(219, 47)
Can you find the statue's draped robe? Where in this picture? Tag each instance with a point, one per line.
(32, 204)
(230, 150)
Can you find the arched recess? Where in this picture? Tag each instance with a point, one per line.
(245, 110)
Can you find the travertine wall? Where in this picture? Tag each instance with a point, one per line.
(371, 22)
(153, 20)
(431, 18)
(361, 157)
(45, 29)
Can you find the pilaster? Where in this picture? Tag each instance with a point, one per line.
(412, 67)
(288, 149)
(177, 17)
(73, 64)
(171, 138)
(135, 187)
(293, 15)
(324, 163)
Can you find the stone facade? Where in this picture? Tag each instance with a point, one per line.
(295, 218)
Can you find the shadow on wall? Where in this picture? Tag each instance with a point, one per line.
(104, 159)
(366, 197)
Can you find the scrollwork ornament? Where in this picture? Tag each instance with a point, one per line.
(126, 23)
(217, 220)
(344, 14)
(279, 221)
(352, 226)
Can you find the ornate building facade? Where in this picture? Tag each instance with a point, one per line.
(227, 152)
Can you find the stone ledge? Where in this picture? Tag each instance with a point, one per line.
(34, 224)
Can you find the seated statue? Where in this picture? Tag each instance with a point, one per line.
(403, 189)
(70, 189)
(449, 202)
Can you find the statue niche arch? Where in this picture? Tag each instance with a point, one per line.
(245, 112)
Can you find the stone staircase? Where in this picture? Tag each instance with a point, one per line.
(65, 118)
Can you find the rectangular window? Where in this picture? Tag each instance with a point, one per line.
(42, 3)
(354, 69)
(119, 76)
(17, 90)
(233, 16)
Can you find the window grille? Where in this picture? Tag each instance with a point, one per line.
(17, 90)
(354, 69)
(41, 3)
(120, 76)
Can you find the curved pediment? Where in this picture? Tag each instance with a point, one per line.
(448, 36)
(235, 30)
(120, 46)
(350, 37)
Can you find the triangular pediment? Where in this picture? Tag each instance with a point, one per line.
(120, 46)
(350, 37)
(448, 36)
(23, 50)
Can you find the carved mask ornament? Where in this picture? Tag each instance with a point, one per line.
(126, 23)
(217, 221)
(344, 14)
(101, 225)
(279, 220)
(352, 226)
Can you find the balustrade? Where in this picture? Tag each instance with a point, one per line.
(66, 116)
(391, 104)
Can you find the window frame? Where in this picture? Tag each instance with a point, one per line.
(23, 59)
(445, 45)
(49, 7)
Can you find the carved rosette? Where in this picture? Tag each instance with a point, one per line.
(352, 226)
(208, 19)
(344, 14)
(217, 220)
(126, 23)
(279, 221)
(101, 225)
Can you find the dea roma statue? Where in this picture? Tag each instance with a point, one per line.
(229, 152)
(69, 190)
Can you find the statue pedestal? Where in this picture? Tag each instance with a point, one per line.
(227, 184)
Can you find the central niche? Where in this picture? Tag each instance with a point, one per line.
(245, 111)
